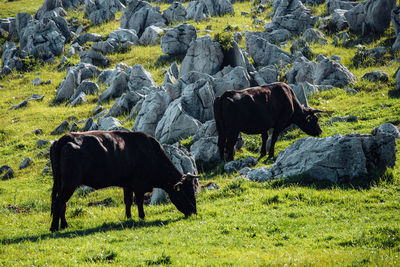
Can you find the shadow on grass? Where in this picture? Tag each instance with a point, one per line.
(105, 227)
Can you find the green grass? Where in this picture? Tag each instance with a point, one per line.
(283, 222)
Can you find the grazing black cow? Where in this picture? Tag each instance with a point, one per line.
(134, 161)
(256, 110)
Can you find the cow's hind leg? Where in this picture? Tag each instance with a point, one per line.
(274, 138)
(128, 200)
(59, 209)
(139, 202)
(221, 146)
(263, 150)
(230, 145)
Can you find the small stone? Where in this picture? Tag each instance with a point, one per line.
(25, 163)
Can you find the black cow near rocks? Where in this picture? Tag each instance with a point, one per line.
(135, 161)
(256, 110)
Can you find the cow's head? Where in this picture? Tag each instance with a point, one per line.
(309, 122)
(183, 194)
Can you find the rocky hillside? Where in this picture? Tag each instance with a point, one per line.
(73, 65)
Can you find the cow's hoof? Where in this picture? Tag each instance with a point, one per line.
(53, 229)
(63, 226)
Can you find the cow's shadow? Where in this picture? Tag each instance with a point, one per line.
(105, 227)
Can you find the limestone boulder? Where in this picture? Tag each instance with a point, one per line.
(264, 53)
(176, 124)
(152, 110)
(336, 159)
(197, 100)
(372, 16)
(330, 72)
(219, 7)
(197, 11)
(118, 86)
(101, 11)
(175, 13)
(238, 78)
(138, 15)
(124, 104)
(140, 78)
(205, 150)
(176, 40)
(204, 55)
(74, 78)
(151, 36)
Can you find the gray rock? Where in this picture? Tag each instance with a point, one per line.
(175, 90)
(153, 108)
(25, 163)
(20, 105)
(301, 46)
(329, 72)
(367, 56)
(74, 127)
(138, 15)
(101, 11)
(372, 16)
(62, 128)
(337, 158)
(118, 86)
(37, 131)
(350, 118)
(314, 36)
(331, 5)
(265, 53)
(151, 36)
(108, 124)
(41, 143)
(140, 78)
(197, 11)
(10, 58)
(262, 174)
(6, 172)
(341, 39)
(124, 36)
(398, 79)
(48, 5)
(176, 124)
(78, 100)
(204, 55)
(302, 71)
(95, 58)
(89, 124)
(219, 7)
(375, 76)
(293, 16)
(75, 76)
(175, 13)
(239, 164)
(181, 158)
(338, 21)
(124, 104)
(172, 74)
(36, 81)
(236, 79)
(42, 40)
(22, 20)
(387, 128)
(176, 40)
(197, 100)
(87, 37)
(302, 90)
(208, 129)
(205, 150)
(158, 197)
(74, 49)
(235, 57)
(210, 186)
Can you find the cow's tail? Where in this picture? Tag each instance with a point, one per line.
(218, 116)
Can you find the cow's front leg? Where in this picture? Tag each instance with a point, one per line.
(139, 203)
(263, 150)
(274, 138)
(128, 200)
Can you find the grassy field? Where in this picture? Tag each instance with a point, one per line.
(283, 222)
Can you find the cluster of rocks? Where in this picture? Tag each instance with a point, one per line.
(336, 159)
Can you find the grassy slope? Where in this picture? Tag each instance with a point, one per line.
(243, 223)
